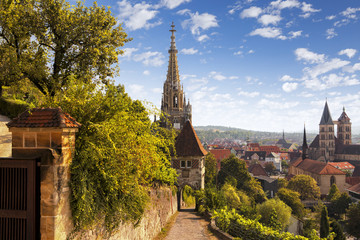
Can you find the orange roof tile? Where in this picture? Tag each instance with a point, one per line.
(269, 149)
(257, 170)
(187, 142)
(342, 165)
(43, 118)
(355, 188)
(220, 154)
(317, 167)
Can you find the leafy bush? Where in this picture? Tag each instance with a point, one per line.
(12, 107)
(282, 210)
(188, 196)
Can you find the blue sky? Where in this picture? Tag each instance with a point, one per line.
(259, 65)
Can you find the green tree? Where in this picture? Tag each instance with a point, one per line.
(334, 193)
(283, 212)
(119, 154)
(292, 199)
(269, 167)
(324, 223)
(305, 185)
(274, 220)
(339, 205)
(282, 183)
(337, 229)
(353, 220)
(48, 41)
(210, 169)
(236, 168)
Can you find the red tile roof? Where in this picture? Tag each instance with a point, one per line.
(352, 180)
(257, 170)
(269, 149)
(342, 165)
(187, 142)
(220, 154)
(43, 118)
(355, 188)
(317, 167)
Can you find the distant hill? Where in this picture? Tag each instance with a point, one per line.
(209, 133)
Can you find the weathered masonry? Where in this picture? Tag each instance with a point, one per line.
(34, 191)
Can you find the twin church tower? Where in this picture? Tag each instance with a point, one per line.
(175, 111)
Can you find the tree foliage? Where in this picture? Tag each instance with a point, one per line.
(236, 168)
(305, 185)
(283, 212)
(324, 223)
(334, 193)
(337, 229)
(210, 169)
(353, 220)
(47, 41)
(339, 204)
(292, 199)
(119, 153)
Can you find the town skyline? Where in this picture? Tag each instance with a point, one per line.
(246, 64)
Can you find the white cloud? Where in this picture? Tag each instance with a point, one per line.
(198, 21)
(330, 17)
(150, 58)
(146, 72)
(305, 95)
(189, 51)
(276, 105)
(136, 91)
(252, 80)
(289, 87)
(233, 77)
(287, 78)
(183, 11)
(272, 95)
(217, 76)
(252, 12)
(156, 90)
(137, 16)
(267, 32)
(350, 12)
(248, 94)
(308, 9)
(238, 53)
(285, 4)
(295, 34)
(267, 19)
(202, 38)
(308, 56)
(330, 33)
(197, 83)
(251, 51)
(348, 52)
(128, 52)
(171, 4)
(325, 67)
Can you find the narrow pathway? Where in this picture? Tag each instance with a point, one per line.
(5, 137)
(189, 226)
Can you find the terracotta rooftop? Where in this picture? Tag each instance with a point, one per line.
(44, 118)
(269, 149)
(352, 180)
(355, 188)
(342, 165)
(187, 142)
(317, 167)
(220, 154)
(257, 170)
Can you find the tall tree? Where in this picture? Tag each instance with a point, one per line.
(353, 219)
(334, 193)
(292, 199)
(324, 223)
(305, 185)
(337, 229)
(47, 41)
(282, 212)
(210, 169)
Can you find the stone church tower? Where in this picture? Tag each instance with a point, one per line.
(175, 111)
(344, 128)
(327, 137)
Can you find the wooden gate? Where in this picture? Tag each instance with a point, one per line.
(18, 199)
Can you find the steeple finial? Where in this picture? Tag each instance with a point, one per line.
(172, 30)
(343, 108)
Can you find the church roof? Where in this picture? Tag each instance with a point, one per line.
(326, 116)
(344, 117)
(317, 167)
(353, 149)
(187, 142)
(315, 142)
(44, 118)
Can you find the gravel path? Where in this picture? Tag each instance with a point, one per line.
(189, 226)
(5, 137)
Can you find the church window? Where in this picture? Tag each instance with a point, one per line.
(175, 101)
(347, 128)
(330, 136)
(330, 129)
(341, 136)
(322, 137)
(182, 164)
(347, 136)
(322, 129)
(340, 129)
(332, 180)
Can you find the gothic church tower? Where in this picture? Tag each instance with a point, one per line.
(344, 128)
(175, 111)
(327, 137)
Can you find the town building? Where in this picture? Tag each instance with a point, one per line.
(174, 108)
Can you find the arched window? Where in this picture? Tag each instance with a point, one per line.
(175, 101)
(332, 180)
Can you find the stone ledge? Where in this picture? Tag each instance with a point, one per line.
(222, 235)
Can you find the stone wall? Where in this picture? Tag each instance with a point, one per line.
(162, 206)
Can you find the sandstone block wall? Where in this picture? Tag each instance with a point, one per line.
(162, 206)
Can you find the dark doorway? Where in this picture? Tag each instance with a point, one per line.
(19, 199)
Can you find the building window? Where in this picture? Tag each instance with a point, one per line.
(330, 136)
(332, 180)
(322, 129)
(347, 128)
(340, 129)
(347, 136)
(322, 144)
(322, 137)
(182, 164)
(175, 101)
(188, 163)
(330, 129)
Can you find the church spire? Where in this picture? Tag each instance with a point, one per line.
(326, 116)
(304, 146)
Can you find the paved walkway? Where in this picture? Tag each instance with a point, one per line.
(189, 226)
(5, 137)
